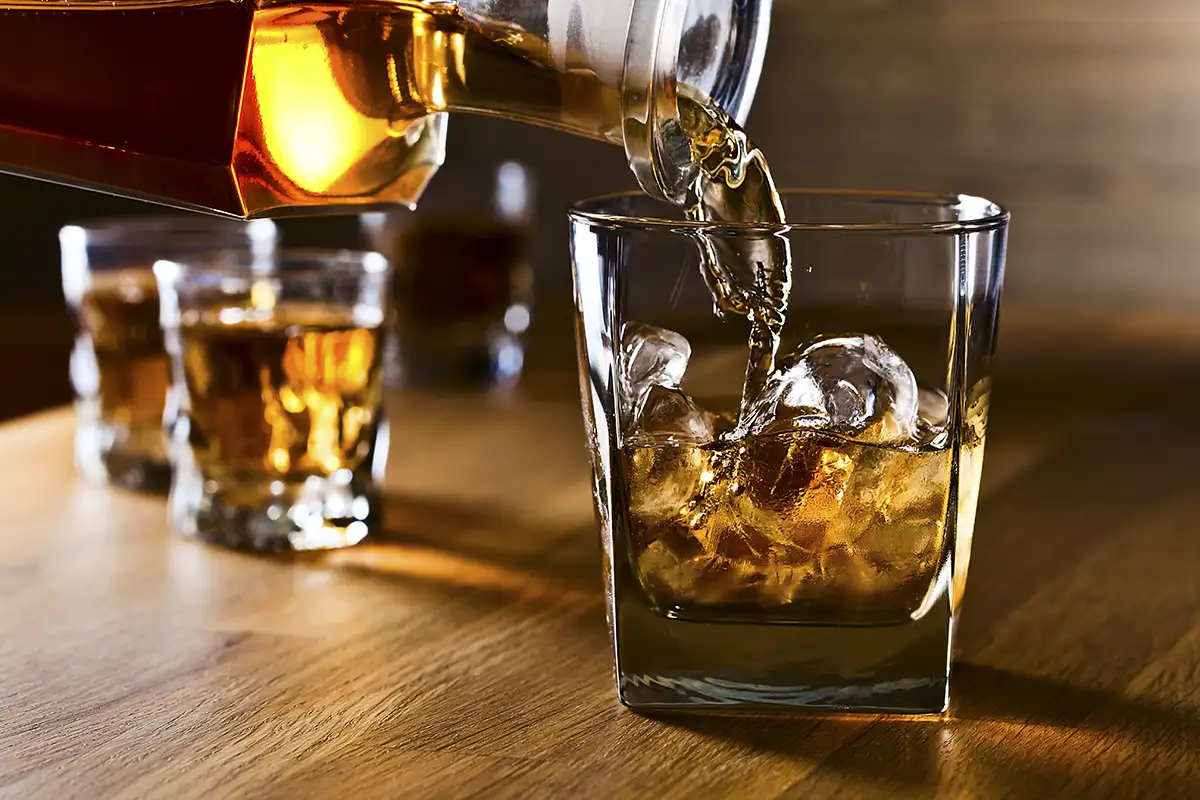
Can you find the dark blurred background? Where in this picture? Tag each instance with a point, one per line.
(1082, 116)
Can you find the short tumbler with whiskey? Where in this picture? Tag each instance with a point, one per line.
(787, 488)
(119, 366)
(281, 440)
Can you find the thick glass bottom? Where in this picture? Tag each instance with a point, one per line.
(317, 513)
(104, 459)
(496, 362)
(665, 663)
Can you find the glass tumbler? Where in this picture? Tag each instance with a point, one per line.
(119, 366)
(791, 529)
(281, 439)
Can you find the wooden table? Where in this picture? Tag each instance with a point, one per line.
(467, 655)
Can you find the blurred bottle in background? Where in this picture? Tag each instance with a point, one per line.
(462, 286)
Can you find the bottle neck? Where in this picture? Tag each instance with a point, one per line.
(623, 61)
(656, 146)
(712, 49)
(634, 46)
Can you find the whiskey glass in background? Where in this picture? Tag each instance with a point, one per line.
(462, 284)
(281, 439)
(119, 367)
(811, 550)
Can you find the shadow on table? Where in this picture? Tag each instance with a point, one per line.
(482, 548)
(985, 693)
(1009, 732)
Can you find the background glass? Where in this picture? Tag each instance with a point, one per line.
(281, 439)
(462, 285)
(119, 367)
(817, 561)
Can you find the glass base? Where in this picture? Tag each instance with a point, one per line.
(665, 663)
(273, 515)
(103, 462)
(496, 362)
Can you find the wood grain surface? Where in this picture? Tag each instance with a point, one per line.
(466, 655)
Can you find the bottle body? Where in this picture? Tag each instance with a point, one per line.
(285, 107)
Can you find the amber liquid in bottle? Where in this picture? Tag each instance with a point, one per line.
(265, 109)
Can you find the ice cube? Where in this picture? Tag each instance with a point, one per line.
(933, 414)
(855, 386)
(664, 482)
(870, 393)
(933, 407)
(790, 400)
(668, 414)
(651, 357)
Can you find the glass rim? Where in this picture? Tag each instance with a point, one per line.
(114, 229)
(987, 215)
(317, 262)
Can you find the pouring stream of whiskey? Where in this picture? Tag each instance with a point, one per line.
(750, 274)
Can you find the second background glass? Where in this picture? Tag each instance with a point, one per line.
(281, 440)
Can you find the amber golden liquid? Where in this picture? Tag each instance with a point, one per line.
(792, 526)
(802, 527)
(120, 314)
(284, 398)
(265, 109)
